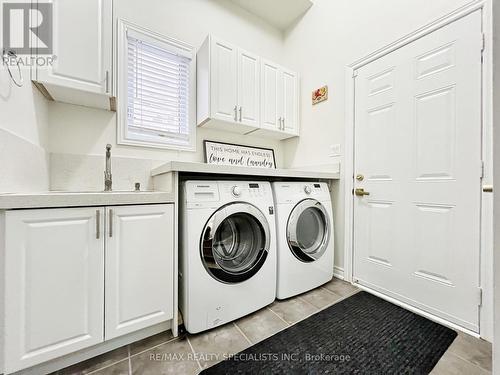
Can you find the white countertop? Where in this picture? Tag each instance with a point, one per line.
(203, 168)
(77, 199)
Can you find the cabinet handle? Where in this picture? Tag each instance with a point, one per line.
(110, 229)
(236, 113)
(241, 110)
(279, 123)
(283, 122)
(107, 81)
(97, 224)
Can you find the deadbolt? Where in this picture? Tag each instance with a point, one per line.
(360, 192)
(360, 177)
(488, 188)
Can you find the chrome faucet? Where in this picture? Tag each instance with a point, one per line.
(108, 180)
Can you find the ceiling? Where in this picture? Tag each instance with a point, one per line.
(279, 13)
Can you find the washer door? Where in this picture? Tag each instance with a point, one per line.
(308, 230)
(235, 242)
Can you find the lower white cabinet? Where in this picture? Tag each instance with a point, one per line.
(139, 253)
(54, 284)
(75, 277)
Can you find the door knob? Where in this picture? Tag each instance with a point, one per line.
(361, 192)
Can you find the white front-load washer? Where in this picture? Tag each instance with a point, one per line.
(304, 236)
(227, 260)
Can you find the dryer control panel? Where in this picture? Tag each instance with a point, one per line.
(286, 192)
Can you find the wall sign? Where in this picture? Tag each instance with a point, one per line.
(219, 153)
(320, 95)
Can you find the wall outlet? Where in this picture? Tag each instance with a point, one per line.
(335, 150)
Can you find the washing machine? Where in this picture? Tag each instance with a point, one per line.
(304, 236)
(227, 251)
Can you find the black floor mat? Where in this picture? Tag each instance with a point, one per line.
(362, 334)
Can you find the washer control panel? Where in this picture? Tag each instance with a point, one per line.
(236, 190)
(245, 190)
(205, 194)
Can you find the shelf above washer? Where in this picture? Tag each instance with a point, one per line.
(330, 172)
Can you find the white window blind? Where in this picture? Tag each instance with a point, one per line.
(157, 90)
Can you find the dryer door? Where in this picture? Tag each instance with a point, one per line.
(308, 230)
(235, 242)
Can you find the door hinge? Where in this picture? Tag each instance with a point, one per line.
(479, 296)
(354, 73)
(482, 170)
(483, 42)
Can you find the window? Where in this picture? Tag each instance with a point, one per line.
(155, 86)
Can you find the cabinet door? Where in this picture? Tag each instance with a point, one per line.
(54, 284)
(139, 267)
(248, 88)
(270, 96)
(290, 102)
(82, 44)
(224, 80)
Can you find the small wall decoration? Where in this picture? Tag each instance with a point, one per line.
(220, 153)
(320, 95)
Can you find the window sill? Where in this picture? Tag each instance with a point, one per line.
(155, 145)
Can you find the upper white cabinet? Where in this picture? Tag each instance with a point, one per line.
(271, 107)
(82, 45)
(228, 87)
(279, 102)
(289, 94)
(224, 81)
(54, 284)
(248, 88)
(240, 92)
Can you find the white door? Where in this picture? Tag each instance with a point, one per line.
(270, 92)
(290, 102)
(139, 267)
(248, 88)
(83, 58)
(418, 150)
(54, 284)
(224, 80)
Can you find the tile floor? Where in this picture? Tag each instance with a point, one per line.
(163, 354)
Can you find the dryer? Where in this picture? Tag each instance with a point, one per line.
(227, 259)
(304, 236)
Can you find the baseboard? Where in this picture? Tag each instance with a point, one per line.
(338, 272)
(94, 351)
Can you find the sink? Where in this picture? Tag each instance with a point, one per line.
(98, 192)
(80, 192)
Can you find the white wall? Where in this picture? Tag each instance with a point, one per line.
(23, 133)
(23, 137)
(83, 131)
(330, 36)
(496, 161)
